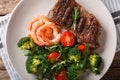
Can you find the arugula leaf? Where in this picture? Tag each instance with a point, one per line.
(72, 72)
(52, 48)
(74, 50)
(44, 68)
(84, 63)
(58, 66)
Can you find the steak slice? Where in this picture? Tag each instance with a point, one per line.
(89, 31)
(88, 27)
(61, 13)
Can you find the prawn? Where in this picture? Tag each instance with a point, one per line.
(43, 31)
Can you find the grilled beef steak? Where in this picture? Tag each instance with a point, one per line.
(88, 27)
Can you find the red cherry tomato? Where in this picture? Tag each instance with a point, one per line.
(68, 38)
(82, 47)
(61, 75)
(54, 56)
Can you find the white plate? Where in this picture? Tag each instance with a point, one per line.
(27, 9)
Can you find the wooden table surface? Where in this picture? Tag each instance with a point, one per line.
(6, 7)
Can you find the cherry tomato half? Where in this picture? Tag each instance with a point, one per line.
(68, 38)
(82, 47)
(61, 75)
(54, 56)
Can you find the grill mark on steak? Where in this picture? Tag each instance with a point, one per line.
(88, 29)
(81, 24)
(62, 11)
(67, 18)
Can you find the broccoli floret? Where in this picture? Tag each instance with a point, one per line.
(32, 64)
(74, 54)
(95, 61)
(75, 58)
(25, 43)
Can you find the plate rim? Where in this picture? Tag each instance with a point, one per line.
(17, 7)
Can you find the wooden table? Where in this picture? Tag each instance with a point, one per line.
(113, 73)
